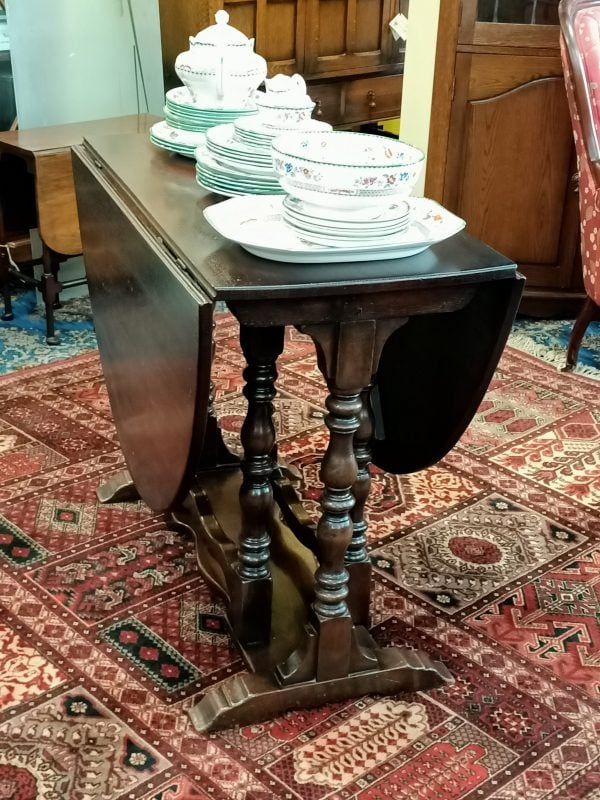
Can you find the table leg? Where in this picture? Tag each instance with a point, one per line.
(357, 559)
(250, 607)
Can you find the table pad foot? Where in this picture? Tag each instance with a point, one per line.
(119, 488)
(248, 698)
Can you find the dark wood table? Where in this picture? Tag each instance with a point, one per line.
(407, 348)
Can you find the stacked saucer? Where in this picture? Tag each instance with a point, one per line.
(230, 167)
(335, 227)
(175, 140)
(254, 132)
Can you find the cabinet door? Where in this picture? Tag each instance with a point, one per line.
(344, 36)
(512, 162)
(276, 25)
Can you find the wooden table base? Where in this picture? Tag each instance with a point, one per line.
(250, 697)
(283, 671)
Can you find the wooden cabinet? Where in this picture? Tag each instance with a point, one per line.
(501, 147)
(343, 48)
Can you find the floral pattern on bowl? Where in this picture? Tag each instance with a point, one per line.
(344, 163)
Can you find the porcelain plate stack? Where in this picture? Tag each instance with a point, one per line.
(230, 167)
(333, 227)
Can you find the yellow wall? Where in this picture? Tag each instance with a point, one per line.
(418, 76)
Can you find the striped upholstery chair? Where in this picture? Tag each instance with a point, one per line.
(580, 49)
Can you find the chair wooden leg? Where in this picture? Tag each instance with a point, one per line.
(50, 289)
(5, 286)
(587, 313)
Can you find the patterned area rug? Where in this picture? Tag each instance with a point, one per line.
(23, 339)
(548, 339)
(490, 561)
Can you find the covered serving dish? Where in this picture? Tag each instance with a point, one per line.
(221, 69)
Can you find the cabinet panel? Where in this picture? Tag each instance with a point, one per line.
(492, 74)
(276, 25)
(516, 170)
(344, 35)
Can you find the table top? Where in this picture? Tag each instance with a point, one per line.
(58, 137)
(161, 189)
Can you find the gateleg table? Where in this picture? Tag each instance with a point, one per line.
(407, 348)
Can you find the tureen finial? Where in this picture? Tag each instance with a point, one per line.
(222, 17)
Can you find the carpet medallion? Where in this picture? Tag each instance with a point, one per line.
(489, 560)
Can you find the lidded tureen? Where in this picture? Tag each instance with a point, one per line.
(285, 103)
(221, 69)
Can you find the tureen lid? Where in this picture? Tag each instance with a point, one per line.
(221, 33)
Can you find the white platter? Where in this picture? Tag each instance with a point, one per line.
(256, 224)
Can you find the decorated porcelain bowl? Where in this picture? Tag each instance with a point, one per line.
(345, 169)
(284, 109)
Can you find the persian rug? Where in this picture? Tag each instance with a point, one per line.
(490, 561)
(548, 339)
(23, 339)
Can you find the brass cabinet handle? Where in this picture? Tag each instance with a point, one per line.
(371, 99)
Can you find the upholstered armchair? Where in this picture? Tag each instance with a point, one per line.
(580, 48)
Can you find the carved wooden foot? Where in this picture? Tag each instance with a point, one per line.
(248, 698)
(119, 488)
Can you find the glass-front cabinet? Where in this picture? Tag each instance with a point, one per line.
(506, 161)
(534, 12)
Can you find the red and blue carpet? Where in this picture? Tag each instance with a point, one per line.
(490, 560)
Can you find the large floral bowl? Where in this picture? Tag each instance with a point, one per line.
(345, 169)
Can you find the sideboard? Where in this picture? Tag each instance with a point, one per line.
(344, 48)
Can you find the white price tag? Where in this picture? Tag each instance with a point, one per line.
(399, 27)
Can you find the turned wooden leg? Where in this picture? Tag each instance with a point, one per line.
(334, 534)
(250, 608)
(50, 289)
(357, 559)
(5, 282)
(587, 313)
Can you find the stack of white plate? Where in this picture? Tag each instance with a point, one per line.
(230, 181)
(335, 227)
(185, 122)
(253, 131)
(230, 167)
(174, 139)
(181, 112)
